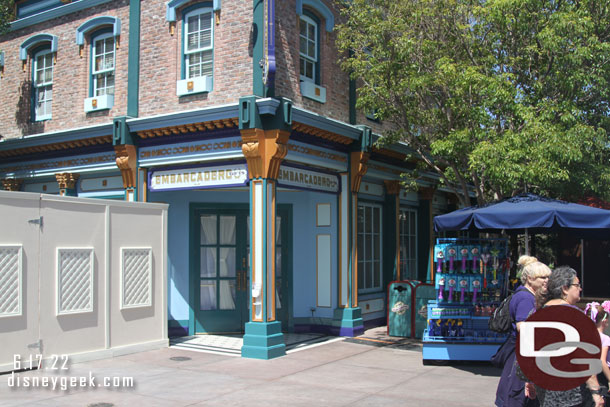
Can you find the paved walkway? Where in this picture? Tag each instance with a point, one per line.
(371, 370)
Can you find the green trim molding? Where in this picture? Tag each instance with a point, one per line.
(34, 41)
(173, 5)
(95, 23)
(56, 12)
(321, 8)
(133, 74)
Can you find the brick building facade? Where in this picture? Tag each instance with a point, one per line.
(166, 102)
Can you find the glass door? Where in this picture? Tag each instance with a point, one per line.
(221, 306)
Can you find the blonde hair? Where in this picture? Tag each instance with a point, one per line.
(531, 267)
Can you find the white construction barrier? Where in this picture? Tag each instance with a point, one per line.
(86, 278)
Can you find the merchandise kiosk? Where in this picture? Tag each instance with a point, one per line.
(471, 279)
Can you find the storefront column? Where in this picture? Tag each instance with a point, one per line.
(11, 184)
(264, 150)
(391, 239)
(347, 318)
(67, 183)
(126, 156)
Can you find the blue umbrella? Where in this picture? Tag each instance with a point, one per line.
(528, 212)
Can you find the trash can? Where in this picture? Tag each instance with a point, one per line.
(400, 308)
(422, 293)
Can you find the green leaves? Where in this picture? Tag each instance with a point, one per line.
(501, 94)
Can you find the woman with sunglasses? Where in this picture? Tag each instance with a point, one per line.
(563, 289)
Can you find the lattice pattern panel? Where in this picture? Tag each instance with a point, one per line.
(136, 277)
(10, 280)
(74, 280)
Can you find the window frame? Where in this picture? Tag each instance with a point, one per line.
(310, 19)
(197, 9)
(101, 35)
(403, 242)
(376, 257)
(43, 50)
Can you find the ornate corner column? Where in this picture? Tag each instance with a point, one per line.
(264, 150)
(67, 183)
(392, 188)
(126, 160)
(347, 317)
(11, 184)
(126, 156)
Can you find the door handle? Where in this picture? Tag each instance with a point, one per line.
(243, 263)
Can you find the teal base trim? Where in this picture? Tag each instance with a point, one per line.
(348, 321)
(263, 340)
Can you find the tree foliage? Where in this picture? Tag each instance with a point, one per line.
(7, 11)
(502, 95)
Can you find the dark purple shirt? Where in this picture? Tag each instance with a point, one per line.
(521, 306)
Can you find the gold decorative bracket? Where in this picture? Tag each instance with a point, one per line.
(264, 151)
(359, 166)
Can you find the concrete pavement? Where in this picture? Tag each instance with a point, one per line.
(366, 371)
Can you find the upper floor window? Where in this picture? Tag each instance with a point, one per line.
(102, 64)
(309, 49)
(42, 81)
(198, 43)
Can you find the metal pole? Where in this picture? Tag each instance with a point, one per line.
(582, 265)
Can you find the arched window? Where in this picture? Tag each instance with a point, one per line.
(102, 64)
(309, 50)
(42, 83)
(197, 71)
(198, 46)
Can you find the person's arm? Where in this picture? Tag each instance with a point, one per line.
(593, 386)
(605, 367)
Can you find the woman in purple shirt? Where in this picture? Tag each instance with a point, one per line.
(534, 277)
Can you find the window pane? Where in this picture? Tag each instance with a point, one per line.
(376, 275)
(303, 46)
(311, 32)
(302, 66)
(309, 71)
(109, 61)
(376, 247)
(193, 24)
(376, 219)
(361, 275)
(227, 294)
(412, 223)
(368, 248)
(361, 247)
(278, 230)
(278, 262)
(303, 27)
(208, 229)
(227, 229)
(110, 84)
(192, 42)
(311, 49)
(369, 275)
(227, 262)
(208, 262)
(208, 295)
(368, 214)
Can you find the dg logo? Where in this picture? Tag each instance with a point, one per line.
(558, 348)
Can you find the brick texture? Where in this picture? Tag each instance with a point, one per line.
(160, 67)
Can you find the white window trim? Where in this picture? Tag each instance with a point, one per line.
(185, 51)
(95, 72)
(400, 235)
(317, 50)
(380, 288)
(46, 116)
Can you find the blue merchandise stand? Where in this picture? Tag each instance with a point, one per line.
(470, 281)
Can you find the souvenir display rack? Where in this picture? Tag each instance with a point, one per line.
(471, 279)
